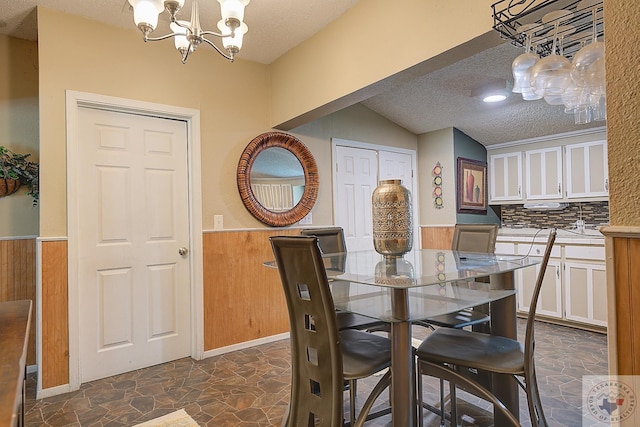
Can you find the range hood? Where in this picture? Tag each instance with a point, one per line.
(550, 206)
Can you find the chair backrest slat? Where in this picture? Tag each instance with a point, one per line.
(474, 237)
(330, 239)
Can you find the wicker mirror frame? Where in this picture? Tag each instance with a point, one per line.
(301, 152)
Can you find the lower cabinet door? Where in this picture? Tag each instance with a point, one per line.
(586, 293)
(550, 300)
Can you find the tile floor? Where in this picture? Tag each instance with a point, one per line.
(250, 388)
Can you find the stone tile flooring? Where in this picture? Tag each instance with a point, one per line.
(250, 388)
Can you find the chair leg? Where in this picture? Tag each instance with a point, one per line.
(352, 402)
(454, 377)
(285, 418)
(419, 398)
(453, 403)
(442, 416)
(383, 383)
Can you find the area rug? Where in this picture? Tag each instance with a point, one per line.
(178, 418)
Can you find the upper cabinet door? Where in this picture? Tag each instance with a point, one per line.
(544, 173)
(587, 170)
(505, 177)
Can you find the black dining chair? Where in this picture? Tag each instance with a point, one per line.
(322, 356)
(452, 354)
(468, 238)
(331, 241)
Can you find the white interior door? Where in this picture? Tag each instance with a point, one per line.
(395, 165)
(133, 220)
(357, 169)
(356, 175)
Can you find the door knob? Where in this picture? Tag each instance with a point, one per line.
(183, 251)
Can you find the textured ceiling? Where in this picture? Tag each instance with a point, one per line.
(443, 99)
(437, 100)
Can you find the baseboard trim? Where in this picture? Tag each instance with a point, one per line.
(53, 391)
(246, 344)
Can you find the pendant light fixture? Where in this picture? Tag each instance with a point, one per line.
(188, 35)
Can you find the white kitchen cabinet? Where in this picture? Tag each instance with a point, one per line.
(586, 293)
(550, 302)
(543, 173)
(574, 286)
(587, 170)
(505, 177)
(568, 172)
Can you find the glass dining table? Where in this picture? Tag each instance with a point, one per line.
(420, 284)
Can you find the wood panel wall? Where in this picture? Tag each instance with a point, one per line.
(623, 282)
(55, 322)
(437, 237)
(243, 299)
(18, 280)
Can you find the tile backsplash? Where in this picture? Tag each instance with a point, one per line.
(594, 214)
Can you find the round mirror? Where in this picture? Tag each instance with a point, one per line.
(277, 179)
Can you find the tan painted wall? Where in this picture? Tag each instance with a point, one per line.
(232, 99)
(623, 110)
(123, 67)
(623, 129)
(373, 40)
(437, 147)
(19, 127)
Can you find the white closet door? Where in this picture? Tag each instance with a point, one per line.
(357, 171)
(356, 174)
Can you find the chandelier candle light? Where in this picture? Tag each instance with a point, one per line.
(188, 35)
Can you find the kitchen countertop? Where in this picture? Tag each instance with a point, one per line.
(588, 237)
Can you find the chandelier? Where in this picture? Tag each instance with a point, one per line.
(563, 61)
(188, 35)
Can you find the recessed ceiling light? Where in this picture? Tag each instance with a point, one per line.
(494, 98)
(494, 91)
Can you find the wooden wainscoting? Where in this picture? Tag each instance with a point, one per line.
(55, 322)
(437, 237)
(18, 279)
(243, 299)
(622, 245)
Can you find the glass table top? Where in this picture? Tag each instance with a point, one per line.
(420, 267)
(431, 282)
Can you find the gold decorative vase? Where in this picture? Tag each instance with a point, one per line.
(392, 218)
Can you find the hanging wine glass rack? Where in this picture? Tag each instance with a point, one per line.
(510, 15)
